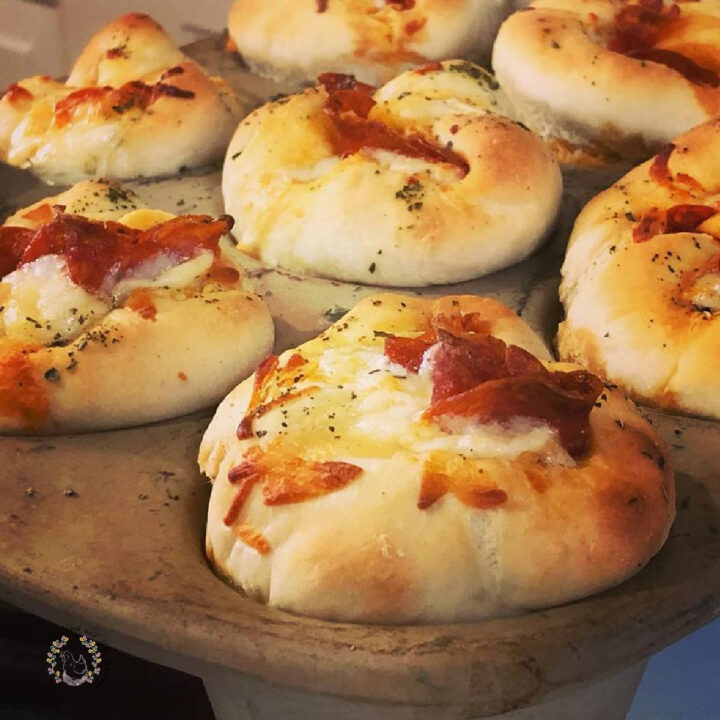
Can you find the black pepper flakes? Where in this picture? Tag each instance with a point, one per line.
(52, 375)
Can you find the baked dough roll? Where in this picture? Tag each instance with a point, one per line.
(373, 40)
(418, 463)
(133, 106)
(641, 279)
(421, 182)
(114, 315)
(605, 80)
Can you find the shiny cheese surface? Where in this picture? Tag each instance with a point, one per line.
(358, 404)
(42, 304)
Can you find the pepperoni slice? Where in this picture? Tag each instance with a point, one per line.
(562, 400)
(97, 252)
(676, 219)
(408, 352)
(349, 104)
(459, 365)
(13, 242)
(638, 28)
(477, 375)
(687, 218)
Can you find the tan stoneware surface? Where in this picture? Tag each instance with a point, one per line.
(105, 531)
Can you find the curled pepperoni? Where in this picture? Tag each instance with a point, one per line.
(408, 352)
(459, 365)
(562, 400)
(97, 252)
(477, 375)
(348, 105)
(346, 95)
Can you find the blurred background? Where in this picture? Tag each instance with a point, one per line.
(43, 37)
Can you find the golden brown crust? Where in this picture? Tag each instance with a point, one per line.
(645, 314)
(554, 63)
(130, 366)
(292, 194)
(374, 42)
(128, 370)
(64, 132)
(367, 552)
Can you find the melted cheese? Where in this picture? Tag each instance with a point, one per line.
(145, 218)
(162, 272)
(366, 406)
(43, 304)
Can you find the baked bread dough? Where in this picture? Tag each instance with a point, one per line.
(134, 105)
(103, 326)
(641, 279)
(605, 80)
(373, 40)
(422, 182)
(378, 474)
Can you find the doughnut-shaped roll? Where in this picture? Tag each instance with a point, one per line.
(113, 315)
(641, 280)
(420, 182)
(134, 105)
(373, 40)
(418, 463)
(605, 80)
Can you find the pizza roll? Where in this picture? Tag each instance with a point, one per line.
(114, 315)
(133, 106)
(425, 461)
(371, 39)
(423, 181)
(641, 279)
(605, 80)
